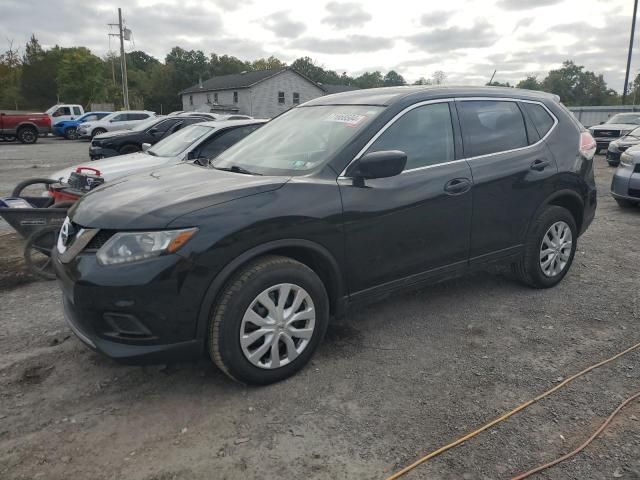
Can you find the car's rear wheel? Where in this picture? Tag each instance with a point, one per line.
(129, 149)
(549, 248)
(71, 133)
(268, 321)
(613, 164)
(624, 203)
(98, 131)
(28, 135)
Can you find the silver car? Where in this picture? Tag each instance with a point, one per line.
(620, 145)
(199, 142)
(625, 185)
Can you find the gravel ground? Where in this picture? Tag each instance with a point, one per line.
(390, 383)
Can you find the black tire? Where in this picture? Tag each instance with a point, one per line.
(27, 135)
(98, 131)
(17, 191)
(613, 164)
(37, 252)
(624, 203)
(528, 269)
(126, 149)
(71, 133)
(236, 297)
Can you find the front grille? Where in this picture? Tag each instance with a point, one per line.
(607, 133)
(100, 239)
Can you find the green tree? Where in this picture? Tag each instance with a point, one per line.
(81, 77)
(38, 86)
(267, 63)
(529, 83)
(393, 78)
(10, 79)
(422, 81)
(577, 86)
(369, 80)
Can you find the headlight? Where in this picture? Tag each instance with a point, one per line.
(626, 160)
(125, 247)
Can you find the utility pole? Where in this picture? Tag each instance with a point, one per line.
(633, 29)
(123, 59)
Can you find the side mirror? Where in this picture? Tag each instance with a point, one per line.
(146, 146)
(601, 123)
(383, 164)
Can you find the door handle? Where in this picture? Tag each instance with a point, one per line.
(457, 186)
(539, 165)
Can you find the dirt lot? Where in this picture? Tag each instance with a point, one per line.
(390, 382)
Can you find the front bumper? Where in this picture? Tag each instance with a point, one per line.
(140, 313)
(57, 131)
(83, 133)
(97, 152)
(625, 183)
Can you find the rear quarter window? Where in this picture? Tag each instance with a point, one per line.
(540, 117)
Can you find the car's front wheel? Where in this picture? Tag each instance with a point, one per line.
(97, 131)
(549, 248)
(268, 321)
(71, 133)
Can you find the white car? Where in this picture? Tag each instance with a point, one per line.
(201, 142)
(115, 121)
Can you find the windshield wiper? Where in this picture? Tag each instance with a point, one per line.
(151, 153)
(237, 169)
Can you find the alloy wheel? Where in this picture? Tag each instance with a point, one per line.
(555, 249)
(277, 326)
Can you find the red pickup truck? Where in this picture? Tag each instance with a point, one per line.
(23, 126)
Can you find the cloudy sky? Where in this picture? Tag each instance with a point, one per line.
(466, 39)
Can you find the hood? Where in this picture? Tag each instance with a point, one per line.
(109, 135)
(615, 126)
(112, 168)
(627, 140)
(634, 151)
(154, 199)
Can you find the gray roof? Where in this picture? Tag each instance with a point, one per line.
(335, 88)
(239, 80)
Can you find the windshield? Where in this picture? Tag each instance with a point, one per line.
(298, 141)
(146, 124)
(177, 143)
(633, 118)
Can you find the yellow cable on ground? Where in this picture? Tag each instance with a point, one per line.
(526, 404)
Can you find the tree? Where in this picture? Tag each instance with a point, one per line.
(38, 86)
(369, 80)
(422, 81)
(392, 78)
(438, 77)
(81, 77)
(499, 84)
(267, 63)
(577, 86)
(10, 78)
(308, 68)
(529, 83)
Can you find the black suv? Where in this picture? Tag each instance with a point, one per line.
(337, 202)
(122, 142)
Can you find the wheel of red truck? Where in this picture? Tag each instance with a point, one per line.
(28, 135)
(268, 321)
(71, 133)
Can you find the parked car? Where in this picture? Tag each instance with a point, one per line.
(625, 184)
(150, 131)
(63, 112)
(201, 142)
(616, 147)
(216, 116)
(337, 202)
(617, 126)
(23, 126)
(114, 121)
(69, 128)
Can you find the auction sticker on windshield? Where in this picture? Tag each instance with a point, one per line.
(350, 119)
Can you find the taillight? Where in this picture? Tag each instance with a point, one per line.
(587, 145)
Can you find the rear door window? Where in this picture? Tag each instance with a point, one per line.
(425, 134)
(540, 117)
(490, 126)
(76, 111)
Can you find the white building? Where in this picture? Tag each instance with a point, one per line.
(260, 94)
